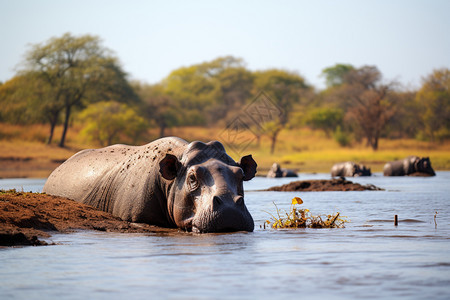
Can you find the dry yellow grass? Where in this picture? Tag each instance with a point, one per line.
(302, 149)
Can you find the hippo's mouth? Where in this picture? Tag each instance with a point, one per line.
(222, 230)
(222, 222)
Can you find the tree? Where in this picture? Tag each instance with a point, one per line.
(434, 99)
(15, 102)
(76, 71)
(193, 92)
(236, 84)
(158, 106)
(112, 122)
(369, 105)
(207, 92)
(285, 89)
(326, 119)
(408, 115)
(336, 75)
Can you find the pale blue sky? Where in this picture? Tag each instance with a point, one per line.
(405, 39)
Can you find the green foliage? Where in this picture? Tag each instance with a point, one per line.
(366, 102)
(13, 102)
(434, 100)
(66, 74)
(336, 75)
(407, 120)
(285, 89)
(344, 139)
(326, 119)
(157, 105)
(205, 93)
(111, 122)
(72, 72)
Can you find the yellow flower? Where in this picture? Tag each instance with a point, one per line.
(297, 200)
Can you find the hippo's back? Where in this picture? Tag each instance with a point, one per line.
(99, 176)
(345, 169)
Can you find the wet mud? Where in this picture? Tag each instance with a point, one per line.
(26, 218)
(335, 184)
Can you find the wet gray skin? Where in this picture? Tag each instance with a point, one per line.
(276, 171)
(349, 169)
(169, 182)
(409, 165)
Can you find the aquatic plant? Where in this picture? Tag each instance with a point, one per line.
(302, 218)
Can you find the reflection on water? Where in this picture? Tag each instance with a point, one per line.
(370, 258)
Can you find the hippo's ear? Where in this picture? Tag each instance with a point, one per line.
(248, 164)
(169, 166)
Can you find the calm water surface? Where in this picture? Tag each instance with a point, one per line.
(370, 258)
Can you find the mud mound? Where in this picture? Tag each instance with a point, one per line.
(336, 184)
(24, 217)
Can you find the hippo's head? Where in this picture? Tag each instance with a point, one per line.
(206, 194)
(423, 165)
(362, 170)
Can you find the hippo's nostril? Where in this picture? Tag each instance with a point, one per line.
(239, 200)
(216, 202)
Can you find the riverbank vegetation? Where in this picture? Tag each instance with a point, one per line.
(298, 217)
(23, 152)
(70, 92)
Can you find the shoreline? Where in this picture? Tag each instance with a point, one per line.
(26, 218)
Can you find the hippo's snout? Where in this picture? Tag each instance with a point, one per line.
(218, 202)
(225, 214)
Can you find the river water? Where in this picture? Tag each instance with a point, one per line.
(370, 258)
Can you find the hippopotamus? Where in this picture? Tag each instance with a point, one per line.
(408, 166)
(276, 171)
(349, 169)
(168, 182)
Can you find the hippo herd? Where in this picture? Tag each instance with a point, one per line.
(194, 186)
(408, 166)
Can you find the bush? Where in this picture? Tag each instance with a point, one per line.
(111, 123)
(325, 119)
(344, 139)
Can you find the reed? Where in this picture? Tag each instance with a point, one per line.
(302, 218)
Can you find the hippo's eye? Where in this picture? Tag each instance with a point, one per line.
(192, 182)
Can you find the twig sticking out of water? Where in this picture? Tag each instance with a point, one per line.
(435, 215)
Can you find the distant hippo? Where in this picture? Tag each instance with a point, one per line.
(349, 169)
(408, 166)
(276, 171)
(169, 182)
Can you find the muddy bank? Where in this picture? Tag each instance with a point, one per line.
(25, 218)
(335, 184)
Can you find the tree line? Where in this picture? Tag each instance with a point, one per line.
(71, 78)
